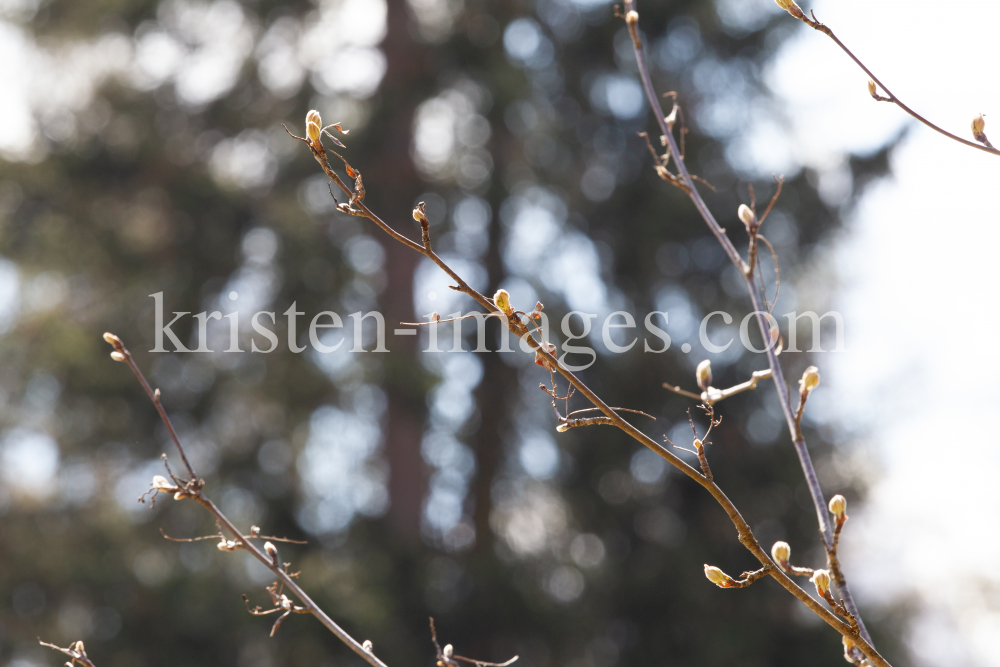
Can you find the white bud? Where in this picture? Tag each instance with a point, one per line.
(704, 374)
(838, 506)
(502, 301)
(117, 356)
(747, 216)
(272, 551)
(716, 576)
(163, 485)
(367, 646)
(810, 379)
(821, 578)
(781, 552)
(314, 125)
(448, 651)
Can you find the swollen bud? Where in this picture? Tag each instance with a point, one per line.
(448, 651)
(420, 214)
(810, 379)
(314, 126)
(118, 356)
(838, 507)
(704, 375)
(163, 485)
(717, 576)
(792, 8)
(112, 339)
(502, 301)
(367, 646)
(821, 578)
(872, 90)
(978, 124)
(272, 551)
(747, 216)
(781, 552)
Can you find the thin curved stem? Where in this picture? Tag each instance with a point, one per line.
(808, 469)
(823, 28)
(518, 329)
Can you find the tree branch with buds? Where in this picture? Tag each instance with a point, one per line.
(544, 356)
(860, 638)
(874, 83)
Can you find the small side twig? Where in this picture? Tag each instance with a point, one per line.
(796, 12)
(77, 654)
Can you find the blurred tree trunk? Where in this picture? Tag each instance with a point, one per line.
(395, 184)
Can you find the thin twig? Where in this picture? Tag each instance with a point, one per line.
(193, 489)
(814, 23)
(544, 356)
(863, 641)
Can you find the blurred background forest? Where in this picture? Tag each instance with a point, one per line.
(152, 159)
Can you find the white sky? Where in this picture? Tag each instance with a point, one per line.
(917, 288)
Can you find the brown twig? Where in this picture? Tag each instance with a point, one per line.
(861, 638)
(76, 653)
(544, 354)
(796, 12)
(193, 489)
(446, 656)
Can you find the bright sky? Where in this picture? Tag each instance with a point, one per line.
(917, 288)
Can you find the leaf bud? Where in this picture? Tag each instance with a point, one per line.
(502, 301)
(821, 578)
(978, 124)
(314, 126)
(792, 8)
(420, 214)
(810, 379)
(112, 339)
(163, 485)
(717, 576)
(272, 551)
(872, 90)
(704, 374)
(838, 507)
(781, 552)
